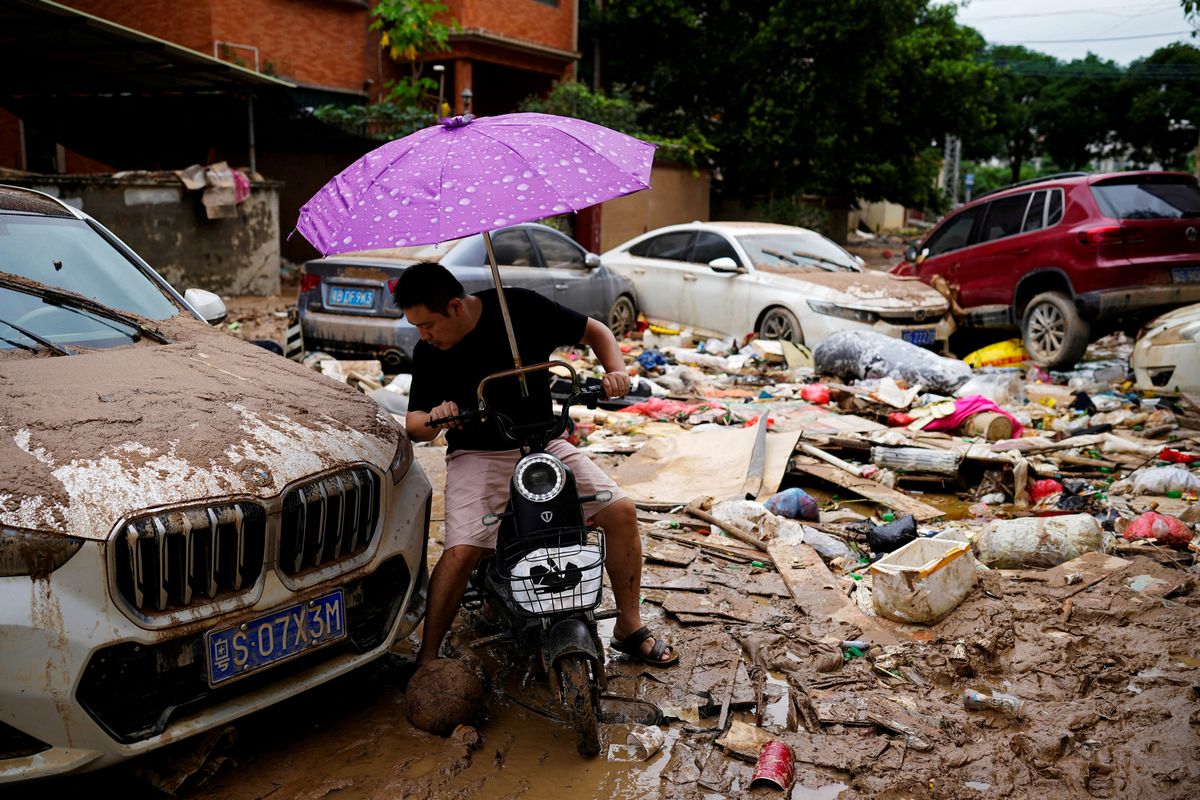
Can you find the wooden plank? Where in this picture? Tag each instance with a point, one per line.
(816, 592)
(877, 492)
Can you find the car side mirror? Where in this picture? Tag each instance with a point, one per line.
(911, 254)
(591, 261)
(724, 264)
(208, 305)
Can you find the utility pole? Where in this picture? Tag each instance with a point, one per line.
(951, 161)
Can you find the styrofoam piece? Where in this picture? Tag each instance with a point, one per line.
(923, 581)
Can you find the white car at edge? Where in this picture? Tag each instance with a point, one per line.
(778, 281)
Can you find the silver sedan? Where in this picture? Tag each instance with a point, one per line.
(347, 309)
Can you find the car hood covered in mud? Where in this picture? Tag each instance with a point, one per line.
(90, 439)
(867, 290)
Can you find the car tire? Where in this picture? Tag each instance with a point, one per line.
(622, 317)
(1056, 337)
(779, 323)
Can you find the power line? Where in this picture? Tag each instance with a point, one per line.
(1089, 41)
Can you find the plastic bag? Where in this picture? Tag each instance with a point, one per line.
(1164, 480)
(1152, 525)
(1002, 388)
(1045, 488)
(815, 393)
(827, 547)
(793, 503)
(1001, 354)
(893, 535)
(866, 354)
(1038, 541)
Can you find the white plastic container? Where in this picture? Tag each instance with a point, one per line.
(923, 581)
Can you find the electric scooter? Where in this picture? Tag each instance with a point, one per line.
(542, 585)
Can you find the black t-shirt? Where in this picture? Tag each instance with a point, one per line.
(540, 325)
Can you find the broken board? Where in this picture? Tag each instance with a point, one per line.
(816, 591)
(877, 492)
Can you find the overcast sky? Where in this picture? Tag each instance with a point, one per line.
(1119, 30)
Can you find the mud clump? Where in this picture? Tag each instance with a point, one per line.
(442, 695)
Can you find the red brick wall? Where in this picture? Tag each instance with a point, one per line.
(317, 42)
(185, 22)
(520, 19)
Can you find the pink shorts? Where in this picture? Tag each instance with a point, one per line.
(477, 484)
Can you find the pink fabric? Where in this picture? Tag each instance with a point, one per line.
(477, 484)
(967, 407)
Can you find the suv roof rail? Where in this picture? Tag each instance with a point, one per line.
(1055, 177)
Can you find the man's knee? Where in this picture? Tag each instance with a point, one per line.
(461, 557)
(619, 517)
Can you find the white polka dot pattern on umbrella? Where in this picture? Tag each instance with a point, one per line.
(468, 175)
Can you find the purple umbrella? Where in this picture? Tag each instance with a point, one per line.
(469, 175)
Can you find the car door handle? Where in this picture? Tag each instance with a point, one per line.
(689, 277)
(560, 286)
(639, 271)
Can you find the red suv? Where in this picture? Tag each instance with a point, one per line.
(1067, 258)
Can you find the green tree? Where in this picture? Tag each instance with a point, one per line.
(839, 99)
(1079, 112)
(409, 31)
(1016, 91)
(1163, 116)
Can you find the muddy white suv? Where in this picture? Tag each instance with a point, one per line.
(191, 528)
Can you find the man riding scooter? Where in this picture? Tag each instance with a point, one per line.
(463, 340)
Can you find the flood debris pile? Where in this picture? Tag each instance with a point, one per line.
(925, 577)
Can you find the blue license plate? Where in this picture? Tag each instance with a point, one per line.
(1186, 275)
(919, 336)
(351, 298)
(273, 637)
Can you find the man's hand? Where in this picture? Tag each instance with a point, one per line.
(446, 409)
(616, 384)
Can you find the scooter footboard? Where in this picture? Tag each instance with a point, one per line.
(555, 571)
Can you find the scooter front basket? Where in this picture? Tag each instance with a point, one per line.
(554, 571)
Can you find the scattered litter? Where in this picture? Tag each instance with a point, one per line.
(1038, 541)
(922, 581)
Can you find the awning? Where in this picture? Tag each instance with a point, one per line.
(47, 49)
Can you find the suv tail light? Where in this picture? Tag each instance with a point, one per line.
(1110, 234)
(308, 282)
(392, 286)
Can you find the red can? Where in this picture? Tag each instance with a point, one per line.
(776, 766)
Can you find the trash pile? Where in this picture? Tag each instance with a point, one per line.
(906, 572)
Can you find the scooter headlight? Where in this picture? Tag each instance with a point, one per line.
(540, 477)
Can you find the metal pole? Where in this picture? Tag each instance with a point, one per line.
(250, 115)
(508, 328)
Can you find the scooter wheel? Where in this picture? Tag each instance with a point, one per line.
(581, 703)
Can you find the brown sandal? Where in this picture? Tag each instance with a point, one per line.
(631, 646)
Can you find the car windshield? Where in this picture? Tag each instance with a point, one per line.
(798, 251)
(69, 254)
(1149, 199)
(27, 322)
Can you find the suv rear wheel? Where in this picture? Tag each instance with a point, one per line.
(1055, 335)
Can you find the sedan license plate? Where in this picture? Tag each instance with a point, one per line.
(1186, 275)
(351, 298)
(273, 637)
(919, 336)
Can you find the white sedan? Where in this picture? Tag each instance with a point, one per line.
(778, 281)
(1166, 357)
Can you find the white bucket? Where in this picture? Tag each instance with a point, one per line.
(923, 581)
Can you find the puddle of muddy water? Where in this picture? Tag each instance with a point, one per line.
(829, 792)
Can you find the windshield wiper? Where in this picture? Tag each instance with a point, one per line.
(65, 299)
(780, 255)
(822, 260)
(33, 337)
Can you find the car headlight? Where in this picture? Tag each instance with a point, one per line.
(834, 310)
(34, 553)
(402, 460)
(540, 477)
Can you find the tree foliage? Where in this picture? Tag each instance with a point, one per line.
(839, 99)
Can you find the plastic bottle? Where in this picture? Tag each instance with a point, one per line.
(978, 701)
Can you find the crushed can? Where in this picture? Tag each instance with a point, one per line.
(776, 766)
(978, 701)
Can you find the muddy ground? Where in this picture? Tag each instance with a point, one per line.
(1105, 654)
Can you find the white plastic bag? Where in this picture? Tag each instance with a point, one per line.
(1038, 541)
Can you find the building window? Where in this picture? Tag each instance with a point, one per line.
(547, 2)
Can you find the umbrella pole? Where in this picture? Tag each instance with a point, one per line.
(508, 328)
